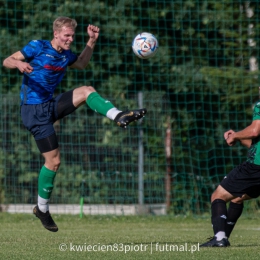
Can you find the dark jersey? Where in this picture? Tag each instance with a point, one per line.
(254, 150)
(49, 67)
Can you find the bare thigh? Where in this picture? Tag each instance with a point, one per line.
(221, 193)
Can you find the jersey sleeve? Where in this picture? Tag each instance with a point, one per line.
(256, 114)
(72, 58)
(31, 49)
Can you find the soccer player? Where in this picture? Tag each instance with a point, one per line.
(43, 64)
(242, 183)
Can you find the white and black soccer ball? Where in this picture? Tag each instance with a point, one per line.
(145, 45)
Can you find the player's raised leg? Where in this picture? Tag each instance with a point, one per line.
(104, 107)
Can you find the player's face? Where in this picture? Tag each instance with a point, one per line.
(64, 37)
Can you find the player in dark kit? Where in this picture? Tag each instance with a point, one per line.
(43, 64)
(242, 183)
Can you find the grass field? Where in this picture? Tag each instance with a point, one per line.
(23, 237)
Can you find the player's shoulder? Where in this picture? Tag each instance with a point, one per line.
(256, 107)
(39, 43)
(256, 111)
(257, 104)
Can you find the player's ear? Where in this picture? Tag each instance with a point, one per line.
(55, 34)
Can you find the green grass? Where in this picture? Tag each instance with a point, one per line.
(22, 237)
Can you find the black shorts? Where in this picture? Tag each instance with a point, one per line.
(39, 119)
(244, 179)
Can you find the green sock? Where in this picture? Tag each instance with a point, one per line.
(45, 182)
(98, 104)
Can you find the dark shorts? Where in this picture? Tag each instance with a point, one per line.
(244, 179)
(39, 119)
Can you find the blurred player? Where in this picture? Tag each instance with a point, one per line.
(242, 183)
(43, 64)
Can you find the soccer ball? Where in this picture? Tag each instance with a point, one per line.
(145, 45)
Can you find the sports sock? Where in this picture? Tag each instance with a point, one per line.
(45, 186)
(234, 212)
(98, 104)
(219, 217)
(43, 204)
(112, 113)
(220, 235)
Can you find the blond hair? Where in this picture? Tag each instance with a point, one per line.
(64, 21)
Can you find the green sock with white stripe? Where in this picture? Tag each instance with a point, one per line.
(102, 106)
(45, 186)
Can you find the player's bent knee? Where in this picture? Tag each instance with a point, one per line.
(53, 164)
(81, 94)
(88, 90)
(221, 193)
(56, 162)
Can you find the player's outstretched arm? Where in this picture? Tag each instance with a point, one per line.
(246, 142)
(85, 56)
(250, 132)
(16, 61)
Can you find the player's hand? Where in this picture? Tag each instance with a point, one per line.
(25, 67)
(227, 133)
(229, 137)
(93, 32)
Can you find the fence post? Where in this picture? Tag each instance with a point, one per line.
(140, 157)
(168, 153)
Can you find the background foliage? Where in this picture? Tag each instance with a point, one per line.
(204, 78)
